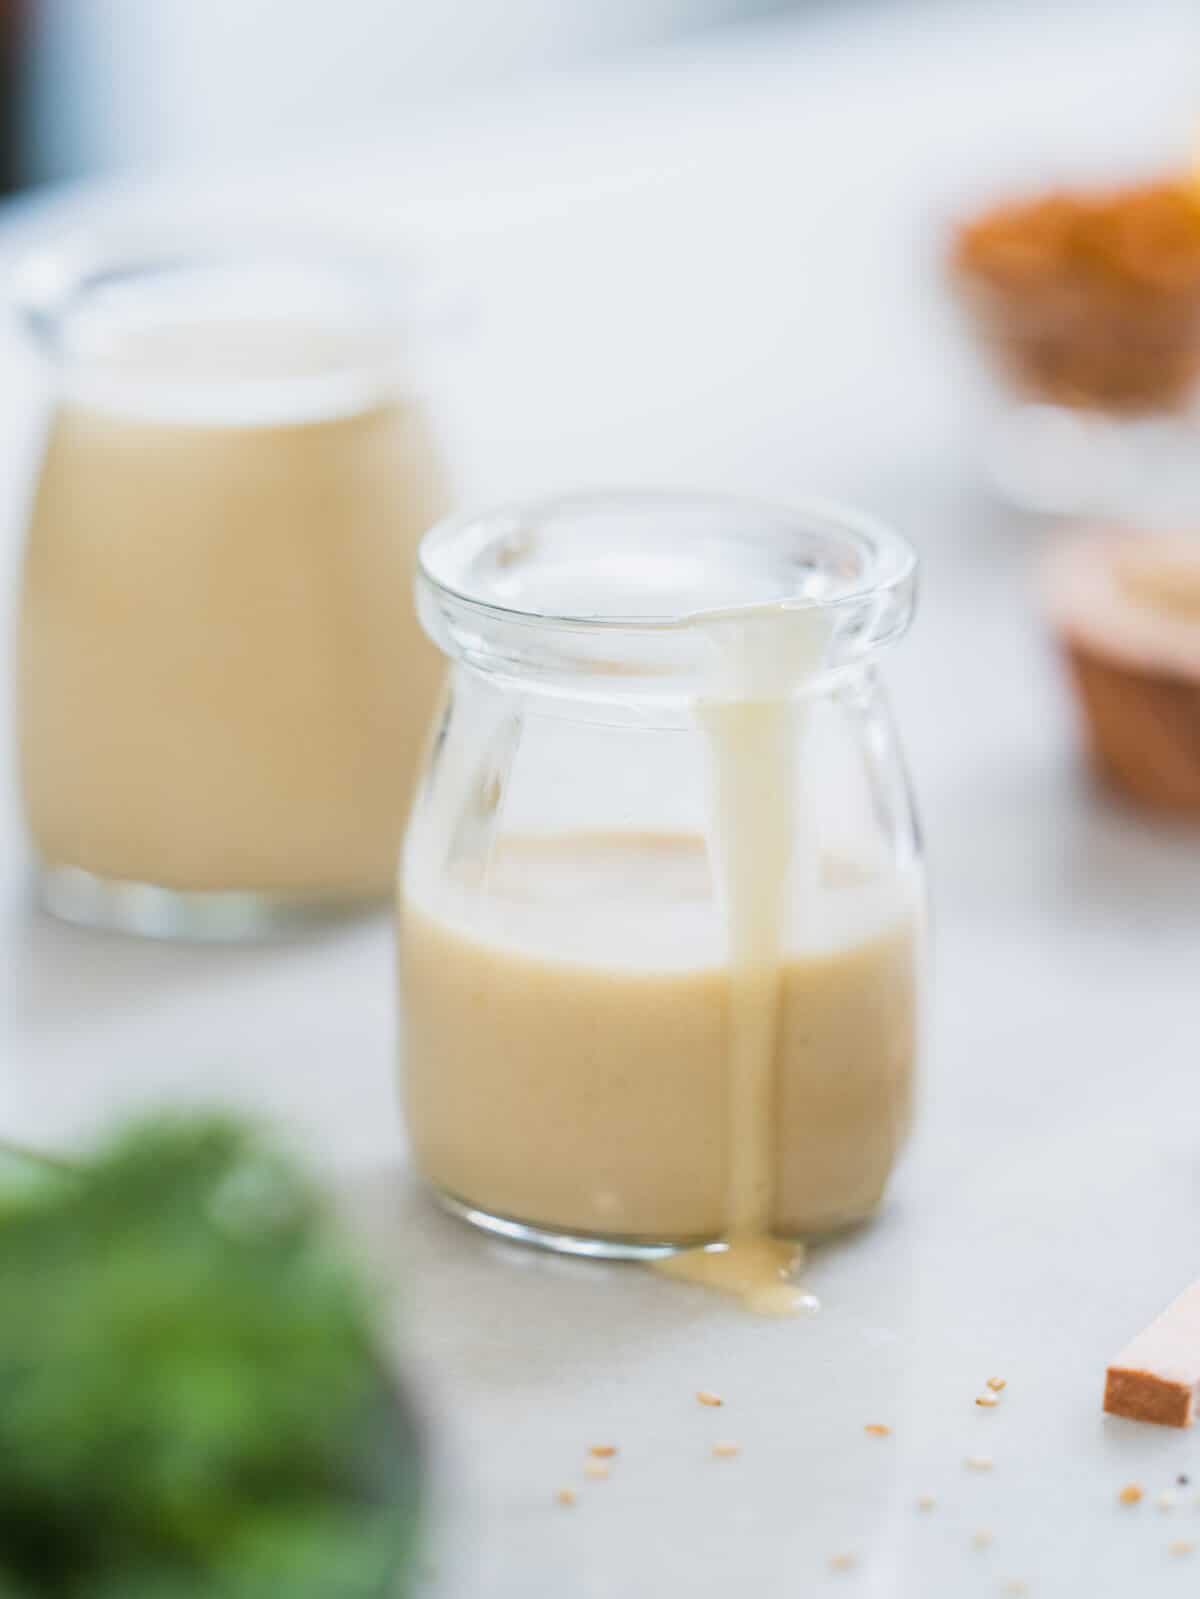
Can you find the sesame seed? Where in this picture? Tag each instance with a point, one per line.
(566, 1496)
(978, 1462)
(842, 1562)
(988, 1401)
(707, 1397)
(726, 1451)
(596, 1469)
(1016, 1586)
(1131, 1494)
(876, 1429)
(1167, 1501)
(926, 1502)
(997, 1384)
(1183, 1479)
(1182, 1546)
(981, 1539)
(603, 1451)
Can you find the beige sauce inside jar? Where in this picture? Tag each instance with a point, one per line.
(590, 1050)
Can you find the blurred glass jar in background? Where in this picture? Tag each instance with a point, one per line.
(1087, 305)
(222, 686)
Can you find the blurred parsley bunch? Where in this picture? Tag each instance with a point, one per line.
(191, 1402)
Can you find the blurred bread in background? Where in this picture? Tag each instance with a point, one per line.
(1126, 609)
(1089, 299)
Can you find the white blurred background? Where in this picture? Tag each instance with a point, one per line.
(701, 242)
(133, 83)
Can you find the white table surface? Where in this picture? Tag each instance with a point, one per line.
(716, 267)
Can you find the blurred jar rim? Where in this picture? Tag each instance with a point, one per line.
(246, 309)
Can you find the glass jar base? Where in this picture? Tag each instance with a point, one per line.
(608, 1246)
(596, 1246)
(145, 910)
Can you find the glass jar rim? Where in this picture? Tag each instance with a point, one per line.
(238, 323)
(52, 274)
(888, 561)
(483, 601)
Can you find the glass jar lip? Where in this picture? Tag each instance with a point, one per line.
(479, 576)
(366, 282)
(242, 323)
(889, 562)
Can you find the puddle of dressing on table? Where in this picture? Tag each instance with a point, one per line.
(766, 855)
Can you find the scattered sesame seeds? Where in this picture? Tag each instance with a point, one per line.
(603, 1451)
(988, 1401)
(997, 1384)
(726, 1451)
(596, 1469)
(1182, 1546)
(707, 1397)
(926, 1502)
(876, 1429)
(1167, 1501)
(842, 1562)
(566, 1496)
(1131, 1494)
(978, 1462)
(981, 1539)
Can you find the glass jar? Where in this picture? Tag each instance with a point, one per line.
(661, 897)
(222, 690)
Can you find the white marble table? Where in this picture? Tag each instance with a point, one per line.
(673, 284)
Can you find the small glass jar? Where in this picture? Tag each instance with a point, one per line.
(222, 691)
(614, 792)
